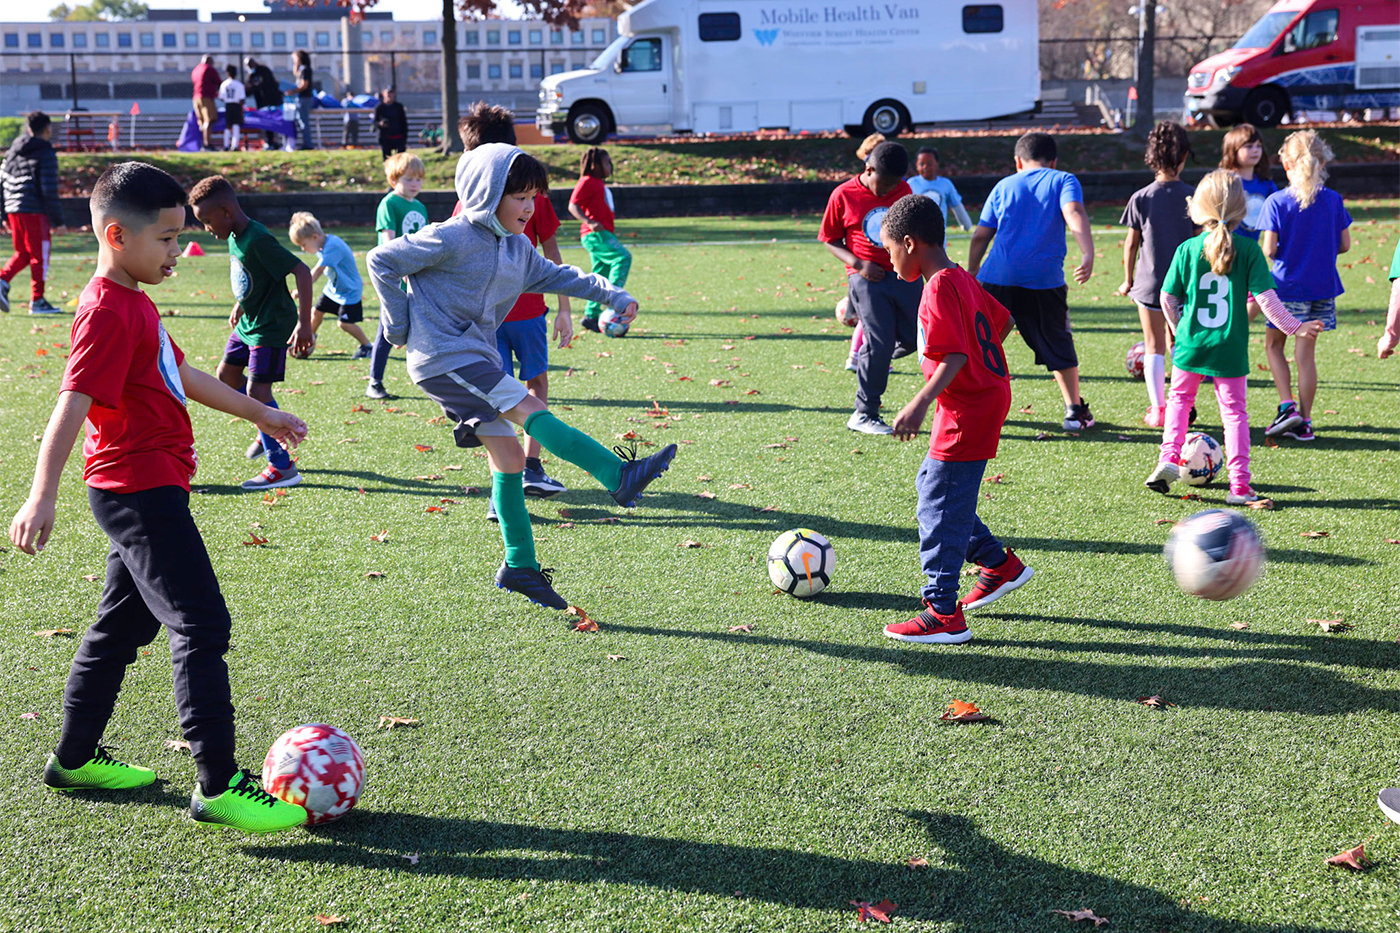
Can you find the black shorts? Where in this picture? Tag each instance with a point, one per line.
(1042, 317)
(233, 115)
(352, 313)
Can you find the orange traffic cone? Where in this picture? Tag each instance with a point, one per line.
(192, 249)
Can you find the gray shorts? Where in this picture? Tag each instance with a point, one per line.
(473, 396)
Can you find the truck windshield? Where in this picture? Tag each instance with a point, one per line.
(1263, 33)
(605, 58)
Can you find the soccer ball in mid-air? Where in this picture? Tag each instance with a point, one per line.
(1215, 554)
(800, 562)
(1133, 361)
(1201, 459)
(610, 322)
(318, 767)
(845, 313)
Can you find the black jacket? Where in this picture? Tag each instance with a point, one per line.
(391, 120)
(263, 83)
(30, 178)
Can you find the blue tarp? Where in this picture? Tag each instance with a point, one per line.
(268, 118)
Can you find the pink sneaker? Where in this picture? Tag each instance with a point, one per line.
(1155, 417)
(928, 627)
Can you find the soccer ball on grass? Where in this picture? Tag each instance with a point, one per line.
(317, 767)
(610, 322)
(800, 562)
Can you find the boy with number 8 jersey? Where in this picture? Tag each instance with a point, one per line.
(962, 329)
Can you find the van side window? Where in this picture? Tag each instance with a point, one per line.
(1313, 31)
(985, 18)
(642, 55)
(719, 27)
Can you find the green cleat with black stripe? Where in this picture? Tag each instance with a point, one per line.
(100, 772)
(245, 805)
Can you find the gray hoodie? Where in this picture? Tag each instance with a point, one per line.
(464, 275)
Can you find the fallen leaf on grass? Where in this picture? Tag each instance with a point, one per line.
(90, 577)
(348, 440)
(1314, 534)
(1028, 410)
(1165, 521)
(617, 657)
(706, 494)
(327, 920)
(746, 628)
(690, 544)
(998, 478)
(1355, 859)
(767, 508)
(28, 715)
(1042, 436)
(1266, 504)
(868, 911)
(1154, 701)
(374, 575)
(1392, 540)
(1239, 626)
(389, 722)
(740, 486)
(1329, 411)
(609, 520)
(255, 541)
(775, 446)
(752, 392)
(316, 383)
(1332, 625)
(381, 537)
(422, 448)
(958, 711)
(1270, 442)
(436, 508)
(177, 745)
(51, 632)
(918, 863)
(1082, 915)
(585, 624)
(1191, 497)
(410, 859)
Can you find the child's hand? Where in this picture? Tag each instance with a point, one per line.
(234, 315)
(286, 427)
(32, 525)
(302, 339)
(1085, 269)
(1310, 330)
(869, 270)
(1125, 288)
(564, 328)
(629, 313)
(1385, 346)
(909, 420)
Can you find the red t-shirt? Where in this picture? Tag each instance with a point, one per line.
(542, 225)
(138, 432)
(956, 315)
(206, 80)
(853, 215)
(591, 196)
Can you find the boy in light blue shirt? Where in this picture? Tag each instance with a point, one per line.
(341, 298)
(1027, 214)
(938, 188)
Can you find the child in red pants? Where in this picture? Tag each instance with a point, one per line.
(31, 210)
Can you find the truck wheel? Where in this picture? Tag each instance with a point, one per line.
(1266, 106)
(887, 117)
(588, 125)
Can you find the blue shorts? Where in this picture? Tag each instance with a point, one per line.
(1324, 311)
(528, 341)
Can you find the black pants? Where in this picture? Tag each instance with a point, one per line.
(889, 311)
(350, 134)
(392, 144)
(158, 574)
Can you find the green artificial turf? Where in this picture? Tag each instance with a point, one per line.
(722, 780)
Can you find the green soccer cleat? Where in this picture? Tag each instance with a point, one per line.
(100, 772)
(245, 805)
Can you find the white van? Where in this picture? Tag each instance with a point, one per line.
(736, 66)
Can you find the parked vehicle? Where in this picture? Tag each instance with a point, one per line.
(733, 66)
(1303, 55)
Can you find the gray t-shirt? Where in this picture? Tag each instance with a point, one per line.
(1158, 212)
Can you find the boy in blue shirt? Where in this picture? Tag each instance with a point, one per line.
(938, 188)
(341, 298)
(1025, 269)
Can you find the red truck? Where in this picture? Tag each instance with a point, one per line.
(1303, 55)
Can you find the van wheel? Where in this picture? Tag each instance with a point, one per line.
(1266, 106)
(887, 117)
(588, 125)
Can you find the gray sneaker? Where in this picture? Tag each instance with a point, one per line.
(1162, 478)
(42, 306)
(868, 425)
(273, 478)
(363, 352)
(255, 450)
(4, 296)
(491, 515)
(376, 390)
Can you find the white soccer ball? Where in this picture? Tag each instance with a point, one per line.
(1133, 362)
(1201, 459)
(845, 313)
(800, 562)
(1215, 554)
(610, 322)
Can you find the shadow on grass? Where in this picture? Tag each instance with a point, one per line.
(975, 883)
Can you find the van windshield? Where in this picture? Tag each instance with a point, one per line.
(605, 58)
(1263, 33)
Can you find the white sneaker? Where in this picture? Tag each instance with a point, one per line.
(851, 363)
(868, 425)
(1161, 479)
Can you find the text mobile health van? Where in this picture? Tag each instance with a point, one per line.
(1303, 55)
(735, 66)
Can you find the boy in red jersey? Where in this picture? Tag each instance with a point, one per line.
(962, 329)
(129, 381)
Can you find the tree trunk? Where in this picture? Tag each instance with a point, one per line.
(1146, 69)
(451, 142)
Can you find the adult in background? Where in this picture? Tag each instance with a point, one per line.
(262, 85)
(301, 65)
(392, 122)
(350, 123)
(206, 88)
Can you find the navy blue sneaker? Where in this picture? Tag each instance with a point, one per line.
(538, 483)
(637, 475)
(591, 323)
(491, 515)
(535, 585)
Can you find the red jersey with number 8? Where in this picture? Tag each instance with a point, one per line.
(956, 315)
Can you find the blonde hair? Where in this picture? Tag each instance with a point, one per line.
(402, 164)
(304, 225)
(868, 144)
(1305, 156)
(1219, 206)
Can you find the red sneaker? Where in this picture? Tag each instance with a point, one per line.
(929, 627)
(995, 582)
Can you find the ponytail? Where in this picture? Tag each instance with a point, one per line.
(1306, 157)
(1219, 248)
(1219, 206)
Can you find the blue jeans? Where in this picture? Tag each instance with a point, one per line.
(950, 533)
(304, 123)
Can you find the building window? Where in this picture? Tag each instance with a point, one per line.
(430, 37)
(299, 39)
(556, 68)
(719, 27)
(102, 39)
(536, 37)
(576, 37)
(600, 37)
(556, 37)
(235, 40)
(323, 40)
(386, 37)
(986, 18)
(473, 72)
(279, 40)
(536, 70)
(493, 37)
(472, 37)
(517, 70)
(11, 40)
(513, 37)
(167, 40)
(55, 40)
(493, 72)
(79, 40)
(213, 40)
(257, 40)
(191, 40)
(35, 40)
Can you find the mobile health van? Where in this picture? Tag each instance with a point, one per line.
(734, 66)
(1303, 55)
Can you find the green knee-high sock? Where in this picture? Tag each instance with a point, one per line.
(508, 492)
(576, 447)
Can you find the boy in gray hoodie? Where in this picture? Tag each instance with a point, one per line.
(464, 276)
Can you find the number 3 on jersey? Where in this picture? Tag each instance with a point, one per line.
(1213, 300)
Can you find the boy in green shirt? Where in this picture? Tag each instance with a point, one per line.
(265, 319)
(400, 213)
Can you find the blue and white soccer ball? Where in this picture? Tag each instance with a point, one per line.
(1215, 554)
(1201, 459)
(800, 562)
(610, 322)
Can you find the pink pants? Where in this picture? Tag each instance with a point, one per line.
(1230, 393)
(857, 339)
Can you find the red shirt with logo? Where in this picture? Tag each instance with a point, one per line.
(956, 315)
(138, 432)
(591, 196)
(542, 225)
(853, 215)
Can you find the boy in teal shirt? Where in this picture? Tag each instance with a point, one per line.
(400, 213)
(265, 319)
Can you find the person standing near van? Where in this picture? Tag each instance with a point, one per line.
(306, 97)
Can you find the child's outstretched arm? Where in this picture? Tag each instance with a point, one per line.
(211, 393)
(911, 417)
(1077, 219)
(544, 276)
(1279, 316)
(389, 264)
(33, 523)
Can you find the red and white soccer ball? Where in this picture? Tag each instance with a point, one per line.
(318, 767)
(1133, 361)
(1215, 554)
(845, 313)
